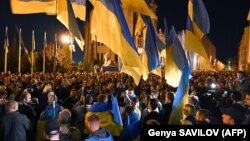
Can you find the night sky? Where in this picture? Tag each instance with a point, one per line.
(227, 20)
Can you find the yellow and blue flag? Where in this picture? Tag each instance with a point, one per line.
(172, 72)
(116, 110)
(180, 98)
(168, 38)
(33, 6)
(110, 27)
(66, 16)
(198, 13)
(182, 90)
(46, 6)
(139, 6)
(192, 43)
(79, 8)
(151, 60)
(179, 54)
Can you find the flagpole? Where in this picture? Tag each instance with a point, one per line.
(32, 52)
(19, 51)
(44, 49)
(6, 50)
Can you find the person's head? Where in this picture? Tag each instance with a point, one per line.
(11, 106)
(52, 129)
(189, 110)
(65, 117)
(247, 99)
(240, 75)
(233, 115)
(152, 122)
(169, 98)
(26, 97)
(51, 97)
(47, 88)
(202, 115)
(153, 104)
(102, 98)
(73, 92)
(93, 123)
(3, 95)
(135, 102)
(89, 99)
(129, 110)
(192, 99)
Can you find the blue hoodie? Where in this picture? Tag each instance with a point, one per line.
(100, 135)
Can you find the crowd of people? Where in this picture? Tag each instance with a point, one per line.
(77, 106)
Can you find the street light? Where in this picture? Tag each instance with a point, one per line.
(69, 39)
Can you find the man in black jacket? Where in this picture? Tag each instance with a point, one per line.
(13, 125)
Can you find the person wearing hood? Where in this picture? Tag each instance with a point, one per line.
(96, 132)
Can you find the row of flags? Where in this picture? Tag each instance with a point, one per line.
(108, 24)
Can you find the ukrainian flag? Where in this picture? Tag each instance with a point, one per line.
(182, 91)
(192, 43)
(79, 8)
(198, 14)
(151, 55)
(33, 6)
(106, 121)
(139, 6)
(172, 72)
(66, 16)
(109, 25)
(181, 97)
(46, 6)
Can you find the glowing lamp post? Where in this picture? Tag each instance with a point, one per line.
(69, 39)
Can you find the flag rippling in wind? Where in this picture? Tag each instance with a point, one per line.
(46, 6)
(109, 25)
(22, 44)
(198, 14)
(116, 111)
(67, 18)
(33, 6)
(150, 58)
(172, 72)
(192, 43)
(180, 99)
(62, 8)
(79, 8)
(139, 6)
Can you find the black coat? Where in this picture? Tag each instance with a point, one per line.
(13, 127)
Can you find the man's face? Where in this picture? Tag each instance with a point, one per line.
(228, 120)
(247, 101)
(239, 76)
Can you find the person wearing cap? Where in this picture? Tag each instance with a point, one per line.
(96, 132)
(52, 129)
(233, 115)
